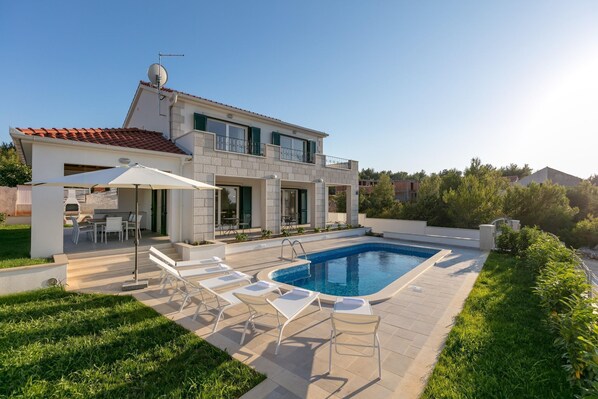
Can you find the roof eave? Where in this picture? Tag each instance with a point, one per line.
(18, 135)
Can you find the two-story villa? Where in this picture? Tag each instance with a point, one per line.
(269, 170)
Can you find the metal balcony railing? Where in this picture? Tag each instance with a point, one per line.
(238, 145)
(340, 163)
(288, 154)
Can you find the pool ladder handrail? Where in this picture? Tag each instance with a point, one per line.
(294, 253)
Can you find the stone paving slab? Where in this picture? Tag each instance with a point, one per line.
(414, 326)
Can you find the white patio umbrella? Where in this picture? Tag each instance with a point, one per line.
(135, 176)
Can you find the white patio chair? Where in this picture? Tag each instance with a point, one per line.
(77, 230)
(188, 288)
(133, 226)
(353, 316)
(228, 299)
(113, 225)
(285, 308)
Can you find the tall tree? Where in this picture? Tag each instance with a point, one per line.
(544, 205)
(514, 170)
(12, 171)
(382, 196)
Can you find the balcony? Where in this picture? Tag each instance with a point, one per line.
(240, 146)
(288, 154)
(337, 163)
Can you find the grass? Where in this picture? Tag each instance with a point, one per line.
(500, 346)
(15, 244)
(59, 344)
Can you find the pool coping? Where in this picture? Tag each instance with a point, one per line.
(384, 294)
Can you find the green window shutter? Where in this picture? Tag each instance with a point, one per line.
(302, 206)
(199, 122)
(245, 205)
(275, 138)
(312, 152)
(255, 141)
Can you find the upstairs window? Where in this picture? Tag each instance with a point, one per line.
(229, 137)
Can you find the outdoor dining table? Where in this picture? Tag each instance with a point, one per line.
(102, 222)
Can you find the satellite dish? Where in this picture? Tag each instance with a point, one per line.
(157, 75)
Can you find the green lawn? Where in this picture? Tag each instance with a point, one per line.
(60, 344)
(15, 244)
(500, 346)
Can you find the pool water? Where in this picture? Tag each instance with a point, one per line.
(356, 270)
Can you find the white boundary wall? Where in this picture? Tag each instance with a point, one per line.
(418, 230)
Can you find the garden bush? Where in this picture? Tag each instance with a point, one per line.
(577, 329)
(544, 249)
(564, 294)
(558, 280)
(2, 218)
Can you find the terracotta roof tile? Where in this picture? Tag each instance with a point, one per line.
(118, 137)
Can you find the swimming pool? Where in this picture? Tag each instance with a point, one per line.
(357, 270)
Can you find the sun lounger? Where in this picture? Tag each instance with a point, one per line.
(225, 300)
(286, 308)
(354, 316)
(190, 273)
(185, 280)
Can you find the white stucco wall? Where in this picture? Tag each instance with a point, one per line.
(145, 115)
(48, 161)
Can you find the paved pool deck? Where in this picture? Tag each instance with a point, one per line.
(414, 326)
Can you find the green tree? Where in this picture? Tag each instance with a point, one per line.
(477, 200)
(12, 171)
(585, 197)
(368, 174)
(478, 197)
(340, 199)
(544, 205)
(382, 196)
(514, 170)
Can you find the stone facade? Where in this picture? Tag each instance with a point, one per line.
(211, 164)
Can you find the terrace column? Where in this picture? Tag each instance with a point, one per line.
(271, 199)
(203, 208)
(353, 204)
(318, 204)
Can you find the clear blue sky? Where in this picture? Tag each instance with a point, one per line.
(401, 85)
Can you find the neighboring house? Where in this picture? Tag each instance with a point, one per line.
(268, 169)
(555, 176)
(405, 190)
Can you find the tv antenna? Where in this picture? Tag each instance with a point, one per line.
(158, 76)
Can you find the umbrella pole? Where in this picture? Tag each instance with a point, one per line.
(136, 234)
(136, 284)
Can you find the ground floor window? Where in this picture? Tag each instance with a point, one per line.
(294, 205)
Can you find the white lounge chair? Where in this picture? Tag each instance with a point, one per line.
(225, 300)
(183, 279)
(207, 266)
(354, 316)
(286, 308)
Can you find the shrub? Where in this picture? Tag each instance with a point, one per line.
(578, 339)
(317, 229)
(507, 240)
(266, 233)
(300, 230)
(559, 280)
(2, 218)
(547, 248)
(286, 233)
(241, 237)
